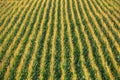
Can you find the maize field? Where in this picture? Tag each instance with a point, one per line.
(59, 39)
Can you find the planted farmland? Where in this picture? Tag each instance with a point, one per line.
(59, 40)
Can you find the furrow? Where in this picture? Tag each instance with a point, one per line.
(76, 42)
(33, 66)
(4, 6)
(114, 46)
(103, 42)
(62, 43)
(74, 76)
(112, 6)
(114, 20)
(5, 19)
(53, 45)
(8, 7)
(22, 69)
(9, 38)
(114, 17)
(97, 40)
(48, 28)
(67, 66)
(57, 57)
(90, 55)
(18, 52)
(95, 52)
